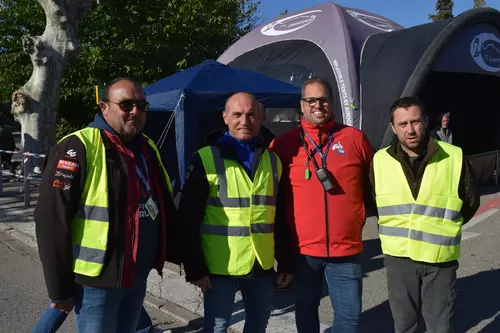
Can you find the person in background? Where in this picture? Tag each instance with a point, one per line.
(443, 133)
(104, 215)
(228, 207)
(425, 190)
(325, 169)
(7, 142)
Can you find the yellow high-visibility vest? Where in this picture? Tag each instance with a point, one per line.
(89, 228)
(427, 229)
(238, 226)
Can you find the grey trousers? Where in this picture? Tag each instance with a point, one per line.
(420, 288)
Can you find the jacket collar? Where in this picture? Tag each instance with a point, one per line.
(398, 153)
(315, 130)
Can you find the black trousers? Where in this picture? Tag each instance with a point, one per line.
(420, 288)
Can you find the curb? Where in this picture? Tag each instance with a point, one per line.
(171, 309)
(168, 308)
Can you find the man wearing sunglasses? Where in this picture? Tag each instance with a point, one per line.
(325, 169)
(104, 215)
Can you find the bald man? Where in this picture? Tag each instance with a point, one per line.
(228, 209)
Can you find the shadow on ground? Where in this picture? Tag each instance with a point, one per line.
(478, 299)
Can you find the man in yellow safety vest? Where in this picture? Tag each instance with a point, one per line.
(227, 208)
(425, 191)
(104, 214)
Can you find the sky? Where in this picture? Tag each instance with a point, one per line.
(407, 13)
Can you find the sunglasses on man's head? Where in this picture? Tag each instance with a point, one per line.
(128, 104)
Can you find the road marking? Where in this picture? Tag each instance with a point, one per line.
(475, 220)
(467, 235)
(480, 218)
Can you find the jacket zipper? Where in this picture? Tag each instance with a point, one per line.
(327, 229)
(120, 272)
(122, 257)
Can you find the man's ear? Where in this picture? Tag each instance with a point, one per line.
(104, 107)
(426, 121)
(224, 116)
(393, 129)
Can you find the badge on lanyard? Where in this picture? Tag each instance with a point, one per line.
(152, 208)
(150, 204)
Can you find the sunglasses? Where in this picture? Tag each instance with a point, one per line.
(128, 104)
(311, 101)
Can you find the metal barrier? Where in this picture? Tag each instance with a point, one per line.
(26, 176)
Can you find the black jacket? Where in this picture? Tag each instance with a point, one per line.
(467, 189)
(192, 210)
(60, 192)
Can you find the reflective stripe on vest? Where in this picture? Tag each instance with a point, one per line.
(428, 228)
(223, 199)
(90, 226)
(238, 226)
(220, 230)
(95, 213)
(442, 213)
(419, 235)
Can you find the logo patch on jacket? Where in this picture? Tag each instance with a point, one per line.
(71, 153)
(337, 146)
(68, 165)
(61, 185)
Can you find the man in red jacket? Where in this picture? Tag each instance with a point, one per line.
(325, 165)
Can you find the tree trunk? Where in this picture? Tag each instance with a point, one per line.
(35, 104)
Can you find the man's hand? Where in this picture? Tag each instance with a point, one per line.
(283, 280)
(203, 283)
(64, 306)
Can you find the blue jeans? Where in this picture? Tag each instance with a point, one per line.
(110, 310)
(257, 297)
(344, 279)
(52, 319)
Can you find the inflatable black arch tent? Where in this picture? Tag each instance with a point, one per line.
(451, 65)
(325, 40)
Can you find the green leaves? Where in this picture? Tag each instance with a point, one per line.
(145, 39)
(479, 3)
(444, 10)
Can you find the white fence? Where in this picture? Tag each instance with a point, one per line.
(26, 175)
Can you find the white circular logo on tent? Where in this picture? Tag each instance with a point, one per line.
(372, 21)
(289, 24)
(485, 50)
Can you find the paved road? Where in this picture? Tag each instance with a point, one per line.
(478, 304)
(23, 296)
(478, 284)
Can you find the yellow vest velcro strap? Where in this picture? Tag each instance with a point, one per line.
(442, 213)
(419, 236)
(222, 230)
(88, 254)
(95, 213)
(265, 200)
(262, 228)
(227, 202)
(241, 202)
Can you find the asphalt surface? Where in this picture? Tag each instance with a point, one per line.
(23, 297)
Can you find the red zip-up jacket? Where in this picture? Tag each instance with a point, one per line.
(326, 224)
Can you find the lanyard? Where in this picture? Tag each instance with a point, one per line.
(318, 149)
(141, 175)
